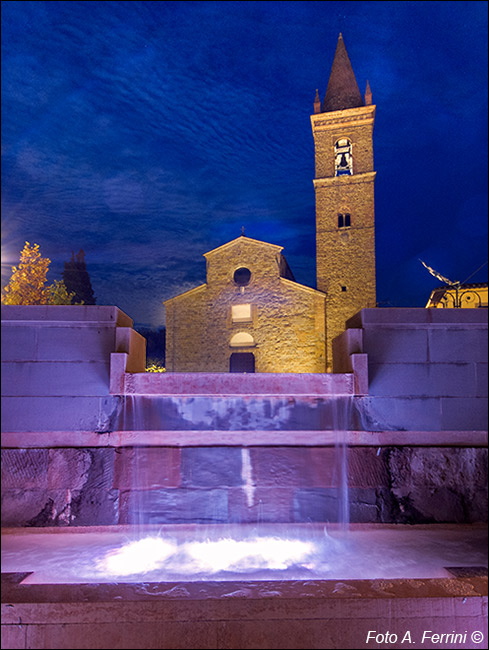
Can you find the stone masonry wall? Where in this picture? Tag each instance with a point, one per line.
(428, 374)
(427, 368)
(56, 365)
(108, 486)
(345, 256)
(287, 319)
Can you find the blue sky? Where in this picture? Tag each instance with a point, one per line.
(149, 133)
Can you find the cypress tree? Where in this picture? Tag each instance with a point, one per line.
(77, 279)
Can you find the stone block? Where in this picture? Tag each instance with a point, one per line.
(53, 379)
(118, 364)
(399, 413)
(364, 513)
(359, 364)
(69, 468)
(440, 505)
(211, 467)
(24, 468)
(482, 380)
(452, 467)
(121, 634)
(75, 343)
(422, 379)
(14, 636)
(37, 507)
(285, 466)
(439, 484)
(18, 342)
(95, 506)
(56, 413)
(260, 505)
(411, 315)
(134, 344)
(86, 313)
(348, 343)
(146, 468)
(464, 413)
(468, 344)
(323, 467)
(390, 345)
(174, 506)
(366, 468)
(273, 634)
(316, 504)
(325, 504)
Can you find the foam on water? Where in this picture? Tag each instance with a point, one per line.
(278, 552)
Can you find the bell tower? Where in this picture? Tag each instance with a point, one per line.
(342, 127)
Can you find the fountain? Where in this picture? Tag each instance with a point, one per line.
(178, 510)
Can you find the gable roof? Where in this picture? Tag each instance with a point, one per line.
(244, 240)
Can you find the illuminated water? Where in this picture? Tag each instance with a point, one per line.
(275, 552)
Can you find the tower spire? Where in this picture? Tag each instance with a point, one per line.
(343, 91)
(368, 95)
(317, 103)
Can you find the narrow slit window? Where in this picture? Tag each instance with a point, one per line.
(341, 222)
(347, 220)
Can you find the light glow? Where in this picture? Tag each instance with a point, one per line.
(209, 556)
(141, 556)
(260, 553)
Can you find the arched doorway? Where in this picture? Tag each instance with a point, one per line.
(242, 362)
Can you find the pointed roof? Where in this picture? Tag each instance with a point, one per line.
(343, 91)
(368, 95)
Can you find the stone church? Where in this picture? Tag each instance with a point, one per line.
(251, 315)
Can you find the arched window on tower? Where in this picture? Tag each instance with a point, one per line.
(344, 220)
(343, 158)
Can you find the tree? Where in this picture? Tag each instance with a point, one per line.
(57, 294)
(77, 279)
(26, 285)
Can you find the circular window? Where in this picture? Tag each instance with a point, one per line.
(242, 276)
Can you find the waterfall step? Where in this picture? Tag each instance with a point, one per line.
(195, 438)
(229, 384)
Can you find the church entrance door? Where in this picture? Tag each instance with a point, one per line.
(242, 362)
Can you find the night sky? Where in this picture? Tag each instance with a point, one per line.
(148, 133)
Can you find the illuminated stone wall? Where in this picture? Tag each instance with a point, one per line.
(73, 454)
(345, 255)
(284, 323)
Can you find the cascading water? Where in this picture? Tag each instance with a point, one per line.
(149, 547)
(236, 547)
(342, 418)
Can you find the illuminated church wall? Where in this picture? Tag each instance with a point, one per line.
(249, 306)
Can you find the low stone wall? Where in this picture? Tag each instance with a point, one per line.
(120, 485)
(427, 368)
(56, 365)
(235, 615)
(75, 454)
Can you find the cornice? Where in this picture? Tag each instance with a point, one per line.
(367, 177)
(348, 117)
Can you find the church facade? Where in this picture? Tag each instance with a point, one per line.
(250, 315)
